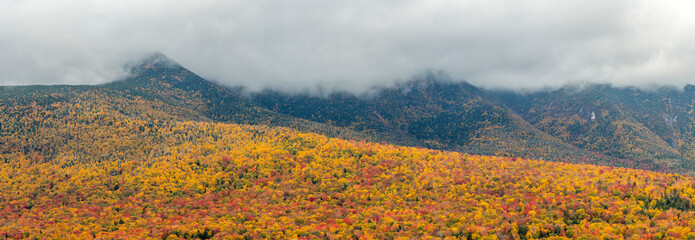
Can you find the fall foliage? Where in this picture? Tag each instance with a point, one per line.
(79, 168)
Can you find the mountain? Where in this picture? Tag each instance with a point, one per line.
(158, 155)
(441, 114)
(158, 89)
(646, 125)
(122, 175)
(161, 79)
(596, 124)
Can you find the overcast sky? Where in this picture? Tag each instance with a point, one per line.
(353, 45)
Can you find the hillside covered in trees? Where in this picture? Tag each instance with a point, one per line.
(457, 116)
(165, 154)
(647, 125)
(87, 169)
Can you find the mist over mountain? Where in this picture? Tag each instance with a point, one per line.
(160, 155)
(603, 124)
(589, 123)
(352, 46)
(316, 119)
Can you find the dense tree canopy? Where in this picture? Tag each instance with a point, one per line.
(80, 169)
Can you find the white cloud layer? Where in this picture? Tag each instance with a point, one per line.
(353, 45)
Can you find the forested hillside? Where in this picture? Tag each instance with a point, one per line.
(429, 111)
(450, 116)
(73, 166)
(645, 125)
(160, 79)
(346, 120)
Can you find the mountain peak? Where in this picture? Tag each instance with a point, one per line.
(152, 60)
(158, 58)
(159, 71)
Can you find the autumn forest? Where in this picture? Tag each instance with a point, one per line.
(166, 154)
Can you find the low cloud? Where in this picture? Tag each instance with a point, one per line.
(352, 45)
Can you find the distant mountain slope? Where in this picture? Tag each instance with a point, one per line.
(440, 113)
(602, 125)
(46, 121)
(159, 89)
(650, 126)
(121, 172)
(161, 79)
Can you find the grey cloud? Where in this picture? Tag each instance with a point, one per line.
(352, 45)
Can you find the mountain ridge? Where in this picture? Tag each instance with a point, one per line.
(159, 88)
(627, 122)
(596, 124)
(443, 114)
